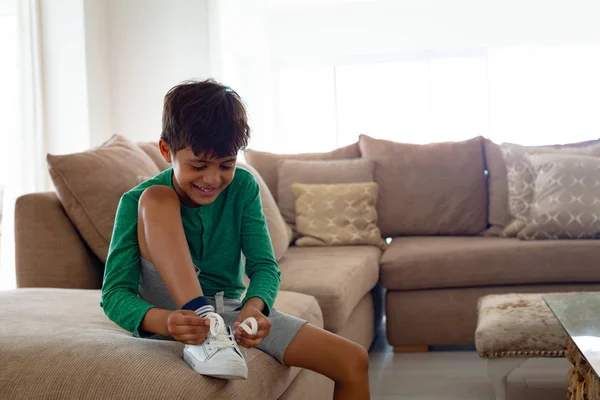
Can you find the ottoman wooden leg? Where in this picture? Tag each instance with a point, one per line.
(498, 370)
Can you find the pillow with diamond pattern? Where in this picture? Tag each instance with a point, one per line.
(566, 200)
(337, 214)
(520, 178)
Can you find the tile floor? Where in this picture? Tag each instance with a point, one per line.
(449, 374)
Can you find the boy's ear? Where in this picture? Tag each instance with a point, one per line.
(165, 151)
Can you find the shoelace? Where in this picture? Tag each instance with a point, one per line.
(219, 335)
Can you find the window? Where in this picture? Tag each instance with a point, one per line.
(542, 95)
(529, 95)
(306, 110)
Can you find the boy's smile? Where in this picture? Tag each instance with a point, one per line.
(199, 179)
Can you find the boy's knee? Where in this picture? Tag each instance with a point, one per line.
(357, 362)
(158, 196)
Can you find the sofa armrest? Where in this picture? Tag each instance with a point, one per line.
(48, 249)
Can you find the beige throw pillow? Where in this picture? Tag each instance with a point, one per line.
(338, 214)
(90, 184)
(521, 179)
(431, 189)
(566, 198)
(317, 172)
(267, 163)
(151, 148)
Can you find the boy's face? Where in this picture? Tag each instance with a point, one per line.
(198, 179)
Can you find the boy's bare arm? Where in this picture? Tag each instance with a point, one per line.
(156, 321)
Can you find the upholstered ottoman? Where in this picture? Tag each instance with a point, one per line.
(512, 328)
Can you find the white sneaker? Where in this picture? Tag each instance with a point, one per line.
(219, 356)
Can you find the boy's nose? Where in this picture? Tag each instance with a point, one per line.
(212, 180)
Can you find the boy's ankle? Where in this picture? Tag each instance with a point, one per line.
(200, 305)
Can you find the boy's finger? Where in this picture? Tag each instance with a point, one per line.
(195, 321)
(260, 333)
(263, 323)
(250, 342)
(188, 312)
(190, 329)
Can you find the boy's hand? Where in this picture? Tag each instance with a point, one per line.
(188, 328)
(264, 326)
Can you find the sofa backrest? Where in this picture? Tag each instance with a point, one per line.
(49, 251)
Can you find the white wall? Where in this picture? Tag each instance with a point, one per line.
(97, 69)
(108, 64)
(64, 76)
(152, 46)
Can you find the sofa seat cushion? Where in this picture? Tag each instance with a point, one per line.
(59, 342)
(448, 262)
(337, 276)
(518, 325)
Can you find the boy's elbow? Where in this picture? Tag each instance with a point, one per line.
(107, 301)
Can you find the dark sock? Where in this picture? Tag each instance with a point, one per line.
(200, 305)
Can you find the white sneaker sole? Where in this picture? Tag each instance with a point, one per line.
(220, 370)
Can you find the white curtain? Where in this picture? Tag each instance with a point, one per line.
(24, 163)
(33, 143)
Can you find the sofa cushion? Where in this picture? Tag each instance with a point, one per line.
(338, 214)
(521, 179)
(151, 148)
(448, 262)
(278, 229)
(338, 277)
(518, 325)
(500, 215)
(566, 201)
(68, 349)
(90, 184)
(433, 189)
(316, 172)
(267, 163)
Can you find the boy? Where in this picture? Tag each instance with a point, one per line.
(176, 254)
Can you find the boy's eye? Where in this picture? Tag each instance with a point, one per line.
(198, 168)
(226, 167)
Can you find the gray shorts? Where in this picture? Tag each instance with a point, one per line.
(284, 327)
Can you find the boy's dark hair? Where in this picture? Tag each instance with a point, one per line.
(207, 116)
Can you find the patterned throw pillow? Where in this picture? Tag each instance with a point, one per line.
(337, 214)
(521, 177)
(567, 197)
(317, 172)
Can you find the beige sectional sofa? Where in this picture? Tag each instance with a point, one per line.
(443, 206)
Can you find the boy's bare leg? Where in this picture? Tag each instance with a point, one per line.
(341, 360)
(162, 241)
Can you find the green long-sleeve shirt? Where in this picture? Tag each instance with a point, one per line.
(217, 235)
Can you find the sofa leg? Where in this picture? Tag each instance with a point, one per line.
(411, 349)
(498, 370)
